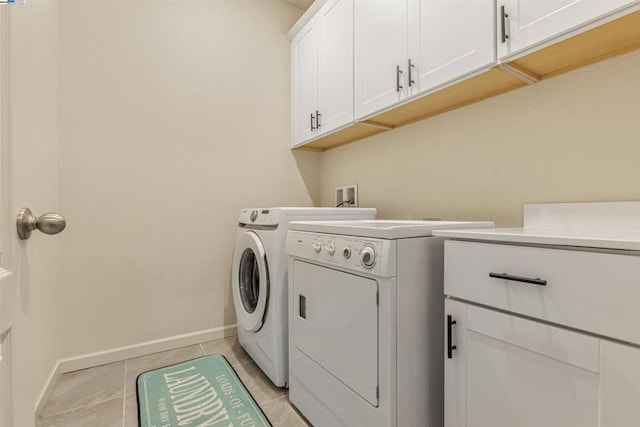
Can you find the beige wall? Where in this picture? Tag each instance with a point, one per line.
(31, 152)
(174, 115)
(572, 138)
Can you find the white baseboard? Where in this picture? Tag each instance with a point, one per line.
(48, 388)
(128, 352)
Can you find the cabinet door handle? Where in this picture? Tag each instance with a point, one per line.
(398, 72)
(411, 81)
(312, 118)
(450, 346)
(318, 115)
(302, 306)
(503, 24)
(506, 276)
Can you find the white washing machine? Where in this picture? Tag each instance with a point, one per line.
(365, 322)
(259, 280)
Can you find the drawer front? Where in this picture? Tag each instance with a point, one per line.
(595, 292)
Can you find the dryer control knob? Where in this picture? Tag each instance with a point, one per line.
(316, 247)
(368, 256)
(330, 249)
(346, 252)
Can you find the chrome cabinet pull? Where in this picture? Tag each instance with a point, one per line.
(318, 119)
(506, 276)
(312, 118)
(503, 22)
(411, 81)
(398, 72)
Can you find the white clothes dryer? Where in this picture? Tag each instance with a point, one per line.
(366, 322)
(259, 280)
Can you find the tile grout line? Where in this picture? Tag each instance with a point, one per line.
(272, 400)
(81, 407)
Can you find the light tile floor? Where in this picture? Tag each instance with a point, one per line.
(104, 396)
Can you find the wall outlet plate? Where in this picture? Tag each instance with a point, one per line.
(347, 196)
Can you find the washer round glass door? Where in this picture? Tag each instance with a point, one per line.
(250, 281)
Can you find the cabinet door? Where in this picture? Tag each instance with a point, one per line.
(380, 48)
(304, 91)
(532, 21)
(455, 367)
(508, 371)
(448, 39)
(620, 385)
(335, 68)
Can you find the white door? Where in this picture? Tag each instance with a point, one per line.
(28, 176)
(502, 370)
(528, 22)
(7, 285)
(304, 60)
(380, 49)
(335, 68)
(448, 39)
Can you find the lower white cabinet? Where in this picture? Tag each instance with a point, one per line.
(504, 370)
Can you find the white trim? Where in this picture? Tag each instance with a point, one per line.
(47, 389)
(305, 18)
(123, 353)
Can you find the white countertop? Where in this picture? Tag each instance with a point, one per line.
(605, 239)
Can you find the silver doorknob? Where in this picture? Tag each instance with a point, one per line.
(49, 223)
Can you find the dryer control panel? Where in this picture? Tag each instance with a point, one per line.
(365, 255)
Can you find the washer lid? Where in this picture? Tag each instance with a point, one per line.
(250, 282)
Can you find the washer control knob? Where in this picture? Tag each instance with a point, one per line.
(330, 249)
(254, 216)
(368, 256)
(346, 252)
(316, 247)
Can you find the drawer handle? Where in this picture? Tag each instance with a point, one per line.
(450, 346)
(505, 276)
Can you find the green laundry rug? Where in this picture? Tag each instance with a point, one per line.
(200, 392)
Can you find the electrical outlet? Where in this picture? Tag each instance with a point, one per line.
(347, 196)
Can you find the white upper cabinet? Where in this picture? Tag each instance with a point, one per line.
(360, 67)
(304, 60)
(380, 54)
(448, 39)
(335, 69)
(524, 23)
(322, 72)
(406, 47)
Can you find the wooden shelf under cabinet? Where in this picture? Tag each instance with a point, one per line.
(613, 38)
(343, 136)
